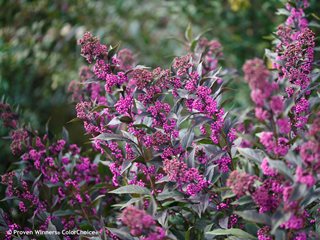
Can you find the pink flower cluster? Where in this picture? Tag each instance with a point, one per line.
(188, 179)
(241, 182)
(142, 224)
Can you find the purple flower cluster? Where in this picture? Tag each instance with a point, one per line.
(240, 182)
(188, 179)
(212, 51)
(278, 147)
(8, 116)
(91, 48)
(142, 224)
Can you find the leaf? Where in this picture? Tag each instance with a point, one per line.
(113, 49)
(114, 121)
(110, 136)
(281, 167)
(170, 195)
(126, 204)
(62, 213)
(313, 195)
(187, 139)
(131, 189)
(193, 45)
(188, 33)
(228, 194)
(251, 154)
(187, 234)
(254, 216)
(232, 231)
(314, 24)
(183, 93)
(204, 141)
(190, 159)
(282, 11)
(52, 227)
(35, 182)
(125, 165)
(65, 134)
(74, 120)
(199, 69)
(223, 222)
(122, 233)
(8, 198)
(271, 55)
(278, 218)
(299, 191)
(98, 197)
(126, 119)
(242, 200)
(130, 137)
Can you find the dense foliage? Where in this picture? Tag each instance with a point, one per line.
(166, 160)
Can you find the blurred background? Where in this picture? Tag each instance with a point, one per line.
(39, 55)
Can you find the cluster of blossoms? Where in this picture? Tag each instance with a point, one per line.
(54, 178)
(179, 172)
(141, 223)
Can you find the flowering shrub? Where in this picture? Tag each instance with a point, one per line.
(281, 139)
(166, 160)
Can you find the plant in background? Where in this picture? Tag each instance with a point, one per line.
(279, 140)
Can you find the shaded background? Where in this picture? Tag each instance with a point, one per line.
(39, 55)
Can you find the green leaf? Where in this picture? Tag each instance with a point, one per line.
(281, 167)
(125, 165)
(187, 139)
(204, 141)
(126, 119)
(126, 204)
(74, 120)
(251, 154)
(278, 218)
(188, 33)
(114, 121)
(123, 234)
(187, 234)
(131, 189)
(282, 11)
(227, 194)
(110, 136)
(193, 45)
(232, 231)
(52, 227)
(65, 134)
(254, 216)
(113, 49)
(62, 213)
(242, 200)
